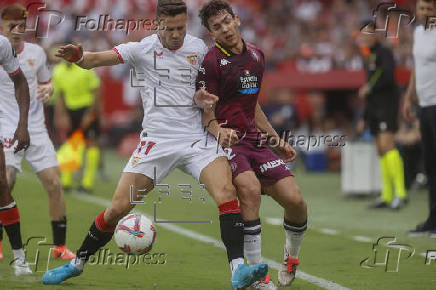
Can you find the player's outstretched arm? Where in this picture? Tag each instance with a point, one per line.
(22, 95)
(85, 59)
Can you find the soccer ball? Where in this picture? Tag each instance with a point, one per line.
(135, 234)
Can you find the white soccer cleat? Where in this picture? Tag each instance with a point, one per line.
(287, 274)
(266, 284)
(21, 267)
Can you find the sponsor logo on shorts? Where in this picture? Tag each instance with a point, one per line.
(135, 160)
(271, 164)
(7, 142)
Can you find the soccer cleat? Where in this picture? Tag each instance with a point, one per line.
(245, 275)
(1, 250)
(21, 267)
(59, 274)
(421, 230)
(378, 203)
(398, 203)
(266, 284)
(287, 274)
(62, 252)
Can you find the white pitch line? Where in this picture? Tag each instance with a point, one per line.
(320, 282)
(274, 221)
(330, 232)
(362, 239)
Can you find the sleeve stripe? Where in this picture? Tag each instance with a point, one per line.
(120, 58)
(45, 83)
(15, 72)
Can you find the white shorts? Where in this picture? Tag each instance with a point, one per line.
(40, 154)
(157, 157)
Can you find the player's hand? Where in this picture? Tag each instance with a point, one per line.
(44, 92)
(205, 100)
(364, 91)
(227, 137)
(70, 52)
(285, 151)
(407, 110)
(22, 136)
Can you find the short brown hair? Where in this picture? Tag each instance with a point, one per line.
(171, 7)
(14, 11)
(212, 8)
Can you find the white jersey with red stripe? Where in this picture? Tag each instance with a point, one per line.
(167, 80)
(33, 62)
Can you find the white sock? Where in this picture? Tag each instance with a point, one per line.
(252, 249)
(252, 242)
(235, 263)
(78, 263)
(19, 254)
(294, 235)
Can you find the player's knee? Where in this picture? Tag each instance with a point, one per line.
(250, 196)
(296, 200)
(54, 187)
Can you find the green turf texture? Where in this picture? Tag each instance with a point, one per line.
(191, 264)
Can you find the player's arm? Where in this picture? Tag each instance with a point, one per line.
(286, 152)
(88, 60)
(23, 99)
(409, 97)
(226, 137)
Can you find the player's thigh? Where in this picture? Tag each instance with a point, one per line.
(248, 188)
(385, 142)
(131, 188)
(217, 178)
(286, 192)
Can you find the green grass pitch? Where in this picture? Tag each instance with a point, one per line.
(333, 248)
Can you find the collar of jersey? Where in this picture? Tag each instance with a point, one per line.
(229, 53)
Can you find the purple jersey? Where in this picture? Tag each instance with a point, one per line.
(236, 80)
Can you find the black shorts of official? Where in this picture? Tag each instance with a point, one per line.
(383, 120)
(76, 116)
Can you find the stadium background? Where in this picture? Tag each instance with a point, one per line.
(314, 68)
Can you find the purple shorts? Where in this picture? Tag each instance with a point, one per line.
(247, 156)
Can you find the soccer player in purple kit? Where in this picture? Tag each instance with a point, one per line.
(233, 71)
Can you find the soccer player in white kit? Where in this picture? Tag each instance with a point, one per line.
(40, 154)
(9, 214)
(168, 62)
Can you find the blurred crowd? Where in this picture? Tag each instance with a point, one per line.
(307, 35)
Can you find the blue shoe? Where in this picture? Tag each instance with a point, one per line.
(57, 275)
(246, 275)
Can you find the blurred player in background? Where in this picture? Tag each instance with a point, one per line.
(172, 137)
(40, 154)
(422, 87)
(233, 71)
(9, 214)
(381, 115)
(78, 108)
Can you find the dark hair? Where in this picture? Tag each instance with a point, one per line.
(171, 8)
(212, 8)
(434, 1)
(14, 11)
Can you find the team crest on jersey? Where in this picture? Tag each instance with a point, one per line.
(158, 54)
(193, 59)
(31, 62)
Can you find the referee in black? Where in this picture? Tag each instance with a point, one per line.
(381, 115)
